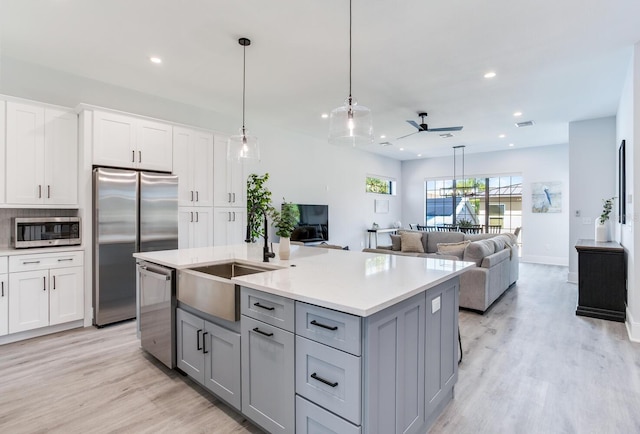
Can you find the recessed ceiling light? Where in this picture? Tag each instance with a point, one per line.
(419, 155)
(511, 145)
(324, 115)
(402, 149)
(155, 60)
(490, 74)
(502, 136)
(516, 114)
(383, 136)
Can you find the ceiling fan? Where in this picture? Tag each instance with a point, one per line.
(422, 127)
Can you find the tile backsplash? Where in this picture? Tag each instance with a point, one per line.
(6, 214)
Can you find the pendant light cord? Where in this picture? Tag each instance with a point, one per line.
(244, 74)
(350, 25)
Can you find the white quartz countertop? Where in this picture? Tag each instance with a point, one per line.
(354, 282)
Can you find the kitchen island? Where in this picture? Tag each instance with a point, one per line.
(329, 341)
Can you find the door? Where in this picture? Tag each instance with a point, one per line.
(25, 156)
(66, 295)
(202, 228)
(221, 190)
(158, 212)
(230, 226)
(114, 140)
(60, 157)
(115, 228)
(182, 157)
(222, 363)
(202, 161)
(4, 305)
(189, 339)
(29, 300)
(154, 146)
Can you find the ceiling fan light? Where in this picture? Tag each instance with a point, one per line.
(350, 124)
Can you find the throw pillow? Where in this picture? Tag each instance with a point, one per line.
(396, 242)
(454, 249)
(477, 250)
(411, 242)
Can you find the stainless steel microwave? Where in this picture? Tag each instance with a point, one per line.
(46, 232)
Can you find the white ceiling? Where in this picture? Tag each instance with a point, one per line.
(556, 61)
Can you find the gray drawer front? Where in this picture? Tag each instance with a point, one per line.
(336, 329)
(272, 309)
(337, 382)
(311, 419)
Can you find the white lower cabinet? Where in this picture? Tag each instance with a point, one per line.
(4, 304)
(209, 354)
(47, 292)
(229, 226)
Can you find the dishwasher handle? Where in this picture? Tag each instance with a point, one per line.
(160, 276)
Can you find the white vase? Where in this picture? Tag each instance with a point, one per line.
(602, 231)
(284, 248)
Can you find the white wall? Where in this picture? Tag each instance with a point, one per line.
(592, 156)
(544, 236)
(628, 129)
(302, 169)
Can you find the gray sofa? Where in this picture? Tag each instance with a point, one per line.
(495, 256)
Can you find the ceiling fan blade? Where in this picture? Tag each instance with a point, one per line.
(416, 125)
(402, 137)
(446, 129)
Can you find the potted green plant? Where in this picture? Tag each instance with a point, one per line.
(258, 204)
(285, 222)
(602, 222)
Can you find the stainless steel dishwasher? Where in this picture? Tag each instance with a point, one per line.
(157, 311)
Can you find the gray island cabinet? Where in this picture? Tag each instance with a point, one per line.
(370, 347)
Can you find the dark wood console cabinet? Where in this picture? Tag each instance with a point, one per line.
(602, 280)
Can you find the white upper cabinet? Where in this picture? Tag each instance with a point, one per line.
(126, 141)
(229, 179)
(42, 155)
(193, 163)
(2, 148)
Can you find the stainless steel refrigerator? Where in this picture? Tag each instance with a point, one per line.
(133, 212)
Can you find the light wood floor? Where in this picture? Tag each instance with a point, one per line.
(530, 366)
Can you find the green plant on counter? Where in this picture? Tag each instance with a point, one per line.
(464, 223)
(258, 204)
(606, 209)
(285, 220)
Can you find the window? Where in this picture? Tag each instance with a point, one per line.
(491, 201)
(381, 185)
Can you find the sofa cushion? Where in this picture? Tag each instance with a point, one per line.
(436, 238)
(423, 234)
(396, 243)
(454, 249)
(411, 242)
(477, 250)
(499, 242)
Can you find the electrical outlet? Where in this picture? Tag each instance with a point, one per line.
(435, 305)
(577, 213)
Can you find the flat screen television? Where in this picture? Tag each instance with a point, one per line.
(312, 223)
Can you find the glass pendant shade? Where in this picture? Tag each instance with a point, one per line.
(243, 147)
(350, 124)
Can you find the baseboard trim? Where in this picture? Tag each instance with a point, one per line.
(572, 277)
(28, 334)
(546, 260)
(633, 327)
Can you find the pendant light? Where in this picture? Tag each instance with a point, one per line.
(242, 146)
(351, 123)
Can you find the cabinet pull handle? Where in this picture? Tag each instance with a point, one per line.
(263, 307)
(39, 191)
(234, 216)
(198, 339)
(48, 192)
(54, 282)
(191, 216)
(44, 283)
(228, 216)
(322, 380)
(191, 195)
(2, 288)
(204, 351)
(65, 259)
(234, 197)
(197, 217)
(257, 330)
(30, 262)
(229, 197)
(324, 326)
(139, 156)
(133, 156)
(197, 198)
